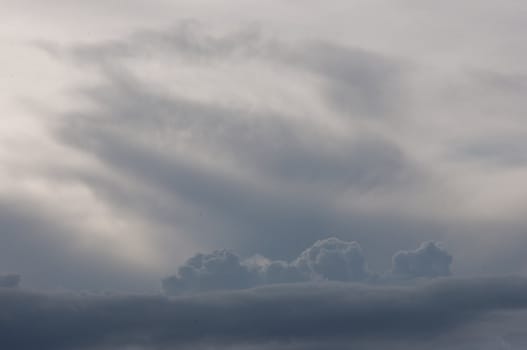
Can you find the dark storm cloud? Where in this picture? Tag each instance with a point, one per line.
(330, 259)
(283, 314)
(9, 280)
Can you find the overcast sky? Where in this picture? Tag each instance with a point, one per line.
(277, 152)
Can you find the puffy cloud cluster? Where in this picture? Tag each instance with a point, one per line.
(327, 260)
(330, 259)
(9, 280)
(221, 269)
(429, 260)
(333, 259)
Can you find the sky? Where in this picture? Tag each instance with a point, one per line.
(250, 175)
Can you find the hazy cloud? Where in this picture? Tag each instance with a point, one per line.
(54, 258)
(188, 39)
(255, 174)
(357, 82)
(172, 138)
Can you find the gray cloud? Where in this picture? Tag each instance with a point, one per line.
(332, 314)
(191, 138)
(189, 39)
(429, 260)
(505, 151)
(285, 173)
(10, 280)
(273, 144)
(357, 82)
(219, 270)
(334, 260)
(330, 259)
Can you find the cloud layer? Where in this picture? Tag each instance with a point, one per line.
(9, 280)
(338, 315)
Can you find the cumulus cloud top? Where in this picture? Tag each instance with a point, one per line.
(221, 269)
(429, 260)
(331, 259)
(334, 260)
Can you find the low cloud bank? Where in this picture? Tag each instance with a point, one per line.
(330, 259)
(313, 313)
(9, 280)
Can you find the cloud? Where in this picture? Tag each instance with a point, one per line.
(330, 259)
(356, 82)
(10, 280)
(188, 39)
(207, 138)
(330, 314)
(290, 178)
(334, 260)
(203, 272)
(429, 260)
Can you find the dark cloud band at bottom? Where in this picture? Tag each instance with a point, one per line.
(281, 314)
